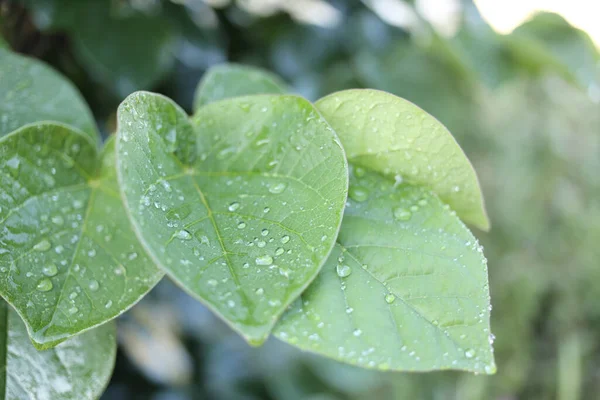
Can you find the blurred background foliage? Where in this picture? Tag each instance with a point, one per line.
(524, 106)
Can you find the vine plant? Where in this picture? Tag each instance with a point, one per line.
(335, 226)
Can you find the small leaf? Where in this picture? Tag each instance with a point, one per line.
(30, 92)
(242, 206)
(68, 258)
(78, 369)
(396, 138)
(230, 80)
(405, 288)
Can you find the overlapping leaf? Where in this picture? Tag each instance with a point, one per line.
(230, 80)
(398, 139)
(404, 289)
(68, 258)
(406, 286)
(77, 369)
(241, 206)
(30, 92)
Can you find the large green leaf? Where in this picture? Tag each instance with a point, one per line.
(121, 49)
(398, 139)
(68, 258)
(241, 206)
(30, 92)
(405, 288)
(77, 369)
(230, 80)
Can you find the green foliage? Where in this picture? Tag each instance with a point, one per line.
(410, 145)
(403, 288)
(121, 49)
(241, 205)
(76, 369)
(223, 82)
(32, 92)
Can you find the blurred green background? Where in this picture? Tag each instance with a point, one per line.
(524, 106)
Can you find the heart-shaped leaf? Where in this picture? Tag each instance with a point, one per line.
(404, 289)
(231, 80)
(398, 139)
(241, 206)
(30, 92)
(68, 258)
(77, 369)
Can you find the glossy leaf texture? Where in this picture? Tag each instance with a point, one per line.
(31, 92)
(241, 206)
(76, 369)
(404, 289)
(392, 136)
(69, 260)
(231, 80)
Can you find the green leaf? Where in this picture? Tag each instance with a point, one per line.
(78, 369)
(231, 80)
(125, 54)
(69, 260)
(398, 139)
(122, 50)
(405, 288)
(241, 206)
(30, 92)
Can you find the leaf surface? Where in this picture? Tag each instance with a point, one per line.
(241, 206)
(79, 368)
(405, 287)
(30, 92)
(231, 80)
(69, 260)
(396, 138)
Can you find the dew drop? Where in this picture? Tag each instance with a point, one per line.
(58, 220)
(279, 251)
(389, 298)
(43, 245)
(402, 214)
(277, 188)
(241, 225)
(77, 204)
(108, 304)
(93, 285)
(470, 353)
(260, 291)
(285, 239)
(184, 235)
(343, 270)
(212, 282)
(266, 210)
(358, 193)
(44, 285)
(50, 270)
(264, 232)
(264, 260)
(233, 206)
(357, 332)
(73, 310)
(490, 369)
